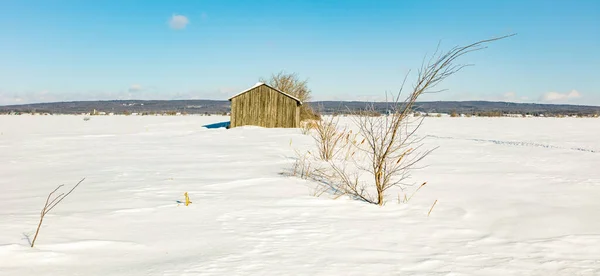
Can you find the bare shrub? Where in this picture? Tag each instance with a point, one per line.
(329, 138)
(308, 167)
(390, 146)
(489, 114)
(309, 113)
(303, 166)
(307, 126)
(50, 204)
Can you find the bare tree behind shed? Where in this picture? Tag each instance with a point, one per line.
(290, 83)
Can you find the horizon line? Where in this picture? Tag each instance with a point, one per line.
(349, 101)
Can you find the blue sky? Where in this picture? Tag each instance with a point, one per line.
(349, 50)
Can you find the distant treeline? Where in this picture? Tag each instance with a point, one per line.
(467, 108)
(182, 107)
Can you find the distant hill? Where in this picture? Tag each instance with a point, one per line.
(124, 106)
(471, 107)
(219, 107)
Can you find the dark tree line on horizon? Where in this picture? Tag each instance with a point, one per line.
(476, 108)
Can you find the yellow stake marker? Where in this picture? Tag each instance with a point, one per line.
(187, 199)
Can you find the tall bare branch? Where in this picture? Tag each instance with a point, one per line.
(50, 204)
(392, 146)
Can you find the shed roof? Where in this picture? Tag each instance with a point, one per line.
(261, 83)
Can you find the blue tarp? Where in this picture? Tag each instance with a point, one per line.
(218, 125)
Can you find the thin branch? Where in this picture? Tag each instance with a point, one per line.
(49, 205)
(52, 207)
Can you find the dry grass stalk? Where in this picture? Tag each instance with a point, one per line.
(430, 209)
(407, 199)
(319, 190)
(50, 204)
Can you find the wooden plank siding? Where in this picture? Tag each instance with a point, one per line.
(265, 107)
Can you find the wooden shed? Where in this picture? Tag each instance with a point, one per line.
(265, 106)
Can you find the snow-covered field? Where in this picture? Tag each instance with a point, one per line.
(515, 197)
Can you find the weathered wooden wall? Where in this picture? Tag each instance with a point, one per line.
(265, 107)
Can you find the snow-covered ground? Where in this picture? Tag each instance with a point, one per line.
(516, 196)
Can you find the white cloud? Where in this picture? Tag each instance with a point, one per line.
(229, 90)
(25, 98)
(359, 98)
(135, 88)
(178, 22)
(133, 92)
(510, 96)
(560, 97)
